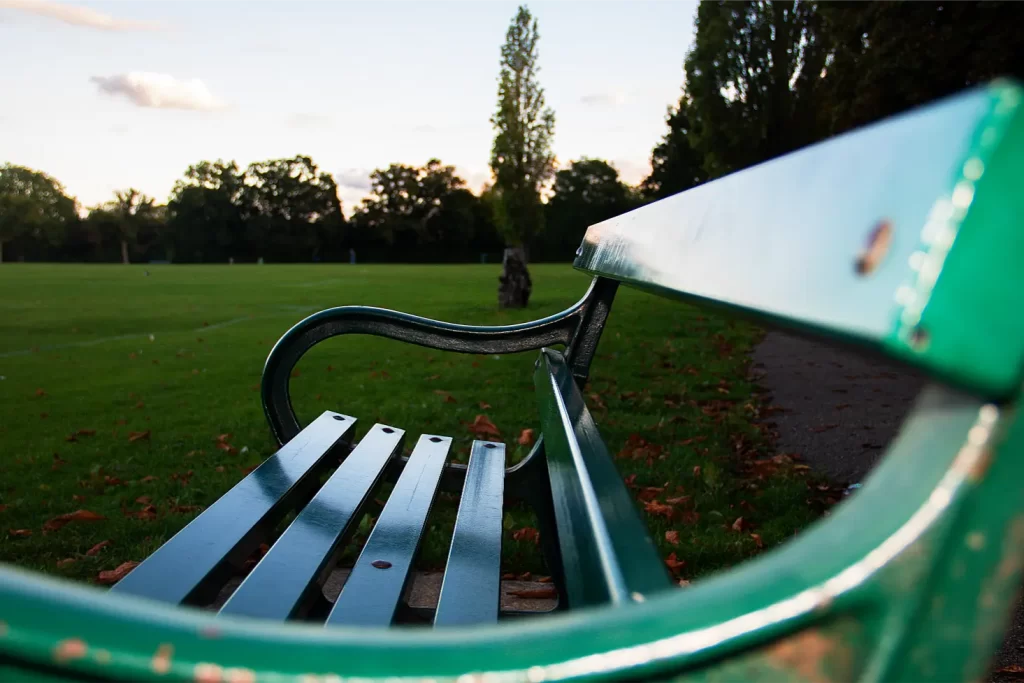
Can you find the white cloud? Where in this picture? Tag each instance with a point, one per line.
(159, 91)
(309, 120)
(353, 179)
(78, 16)
(603, 99)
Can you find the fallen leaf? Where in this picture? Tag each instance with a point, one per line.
(71, 438)
(650, 492)
(330, 368)
(483, 427)
(526, 437)
(630, 481)
(655, 508)
(295, 373)
(223, 438)
(86, 432)
(97, 548)
(147, 478)
(226, 447)
(248, 470)
(114, 575)
(148, 512)
(674, 564)
(683, 583)
(137, 436)
(199, 339)
(534, 594)
(65, 562)
(696, 471)
(76, 516)
(543, 579)
(143, 500)
(40, 392)
(678, 500)
(738, 524)
(484, 405)
(140, 405)
(672, 537)
(526, 534)
(757, 540)
(508, 577)
(20, 533)
(219, 468)
(1011, 669)
(43, 416)
(525, 576)
(433, 377)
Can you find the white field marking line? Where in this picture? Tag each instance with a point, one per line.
(120, 337)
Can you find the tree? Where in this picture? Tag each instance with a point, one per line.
(130, 213)
(890, 56)
(205, 218)
(675, 164)
(290, 208)
(753, 78)
(32, 205)
(587, 192)
(521, 157)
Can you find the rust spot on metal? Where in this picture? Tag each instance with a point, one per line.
(806, 652)
(206, 672)
(239, 675)
(72, 648)
(975, 540)
(876, 248)
(161, 663)
(980, 466)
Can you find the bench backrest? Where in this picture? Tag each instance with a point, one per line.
(907, 236)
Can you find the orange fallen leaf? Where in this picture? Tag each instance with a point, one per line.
(40, 392)
(219, 468)
(650, 492)
(20, 533)
(71, 438)
(672, 537)
(86, 432)
(484, 405)
(147, 478)
(65, 562)
(140, 404)
(295, 373)
(112, 576)
(226, 447)
(526, 534)
(678, 500)
(525, 576)
(757, 540)
(483, 427)
(525, 437)
(248, 470)
(543, 579)
(433, 377)
(76, 516)
(330, 368)
(223, 438)
(1011, 669)
(655, 508)
(508, 577)
(137, 436)
(143, 500)
(696, 471)
(97, 548)
(738, 524)
(674, 564)
(535, 594)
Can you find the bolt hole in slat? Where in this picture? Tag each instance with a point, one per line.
(388, 430)
(876, 248)
(435, 439)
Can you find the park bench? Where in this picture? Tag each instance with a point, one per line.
(903, 239)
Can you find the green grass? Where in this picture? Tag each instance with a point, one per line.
(178, 354)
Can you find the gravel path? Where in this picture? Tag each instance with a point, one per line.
(839, 412)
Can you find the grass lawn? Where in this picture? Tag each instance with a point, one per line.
(93, 355)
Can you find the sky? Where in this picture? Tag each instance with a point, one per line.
(109, 95)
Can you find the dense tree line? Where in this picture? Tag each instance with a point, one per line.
(761, 79)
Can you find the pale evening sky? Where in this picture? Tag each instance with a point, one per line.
(109, 95)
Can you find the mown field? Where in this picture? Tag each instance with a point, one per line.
(117, 382)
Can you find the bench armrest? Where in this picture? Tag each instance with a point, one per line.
(577, 326)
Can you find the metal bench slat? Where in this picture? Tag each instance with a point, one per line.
(280, 585)
(373, 590)
(471, 588)
(606, 551)
(192, 561)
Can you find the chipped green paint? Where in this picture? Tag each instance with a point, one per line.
(910, 579)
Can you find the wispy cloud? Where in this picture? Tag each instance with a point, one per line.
(603, 99)
(309, 120)
(159, 91)
(353, 179)
(78, 16)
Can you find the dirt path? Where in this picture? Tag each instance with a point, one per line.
(840, 411)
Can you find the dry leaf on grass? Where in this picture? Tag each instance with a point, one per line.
(20, 533)
(526, 437)
(226, 447)
(97, 548)
(65, 562)
(484, 405)
(654, 507)
(112, 576)
(147, 478)
(526, 534)
(672, 537)
(674, 564)
(76, 516)
(482, 427)
(138, 436)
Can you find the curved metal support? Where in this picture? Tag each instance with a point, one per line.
(579, 326)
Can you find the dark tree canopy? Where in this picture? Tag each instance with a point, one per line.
(33, 207)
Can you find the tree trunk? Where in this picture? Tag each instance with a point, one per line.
(514, 286)
(124, 252)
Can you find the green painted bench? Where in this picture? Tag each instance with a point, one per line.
(903, 239)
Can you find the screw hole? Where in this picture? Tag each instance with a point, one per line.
(339, 417)
(388, 430)
(919, 338)
(489, 445)
(435, 439)
(877, 246)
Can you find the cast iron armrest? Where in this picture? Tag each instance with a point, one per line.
(578, 328)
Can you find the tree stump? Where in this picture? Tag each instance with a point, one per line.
(514, 283)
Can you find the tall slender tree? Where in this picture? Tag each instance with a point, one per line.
(521, 158)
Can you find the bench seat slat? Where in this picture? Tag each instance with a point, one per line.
(282, 583)
(188, 564)
(371, 595)
(471, 588)
(606, 551)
